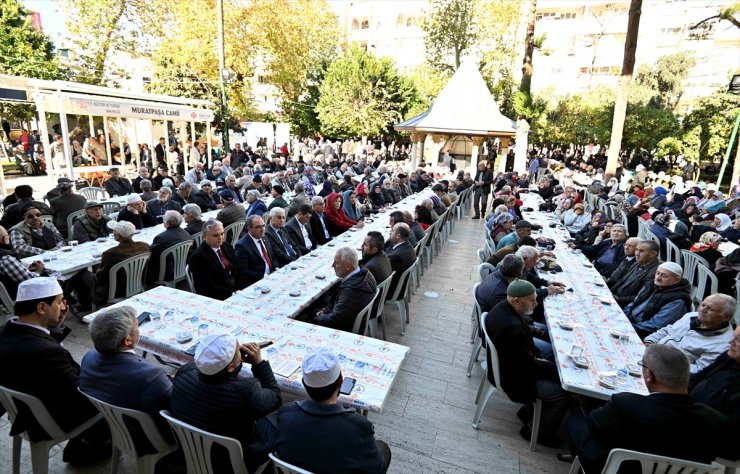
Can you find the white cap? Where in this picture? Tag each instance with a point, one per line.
(133, 199)
(125, 228)
(672, 267)
(320, 368)
(215, 352)
(38, 288)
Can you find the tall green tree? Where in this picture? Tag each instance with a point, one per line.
(706, 130)
(24, 51)
(362, 95)
(453, 28)
(663, 83)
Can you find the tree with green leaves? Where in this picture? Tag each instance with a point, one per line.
(24, 51)
(706, 129)
(362, 95)
(428, 84)
(452, 29)
(731, 14)
(664, 81)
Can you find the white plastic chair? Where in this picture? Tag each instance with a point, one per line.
(197, 238)
(650, 463)
(47, 219)
(691, 262)
(363, 314)
(6, 300)
(71, 218)
(179, 253)
(110, 207)
(487, 389)
(673, 253)
(124, 443)
(134, 268)
(737, 298)
(475, 338)
(197, 444)
(705, 277)
(483, 255)
(649, 235)
(233, 231)
(39, 449)
(189, 277)
(400, 296)
(429, 250)
(286, 468)
(92, 193)
(379, 306)
(485, 269)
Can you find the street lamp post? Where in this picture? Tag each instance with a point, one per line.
(225, 75)
(734, 88)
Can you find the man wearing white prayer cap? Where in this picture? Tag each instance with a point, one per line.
(210, 395)
(35, 363)
(662, 302)
(320, 435)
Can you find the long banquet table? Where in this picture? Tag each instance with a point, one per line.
(598, 324)
(372, 362)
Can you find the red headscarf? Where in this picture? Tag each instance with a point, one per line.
(337, 218)
(360, 190)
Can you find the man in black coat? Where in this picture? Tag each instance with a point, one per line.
(64, 205)
(163, 203)
(401, 254)
(374, 259)
(160, 151)
(483, 180)
(35, 363)
(666, 422)
(143, 175)
(642, 272)
(356, 289)
(192, 216)
(282, 244)
(254, 253)
(630, 245)
(319, 221)
(214, 265)
(607, 254)
(117, 186)
(136, 212)
(299, 229)
(13, 213)
(524, 377)
(173, 234)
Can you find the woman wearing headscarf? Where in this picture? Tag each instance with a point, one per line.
(707, 247)
(576, 219)
(681, 236)
(503, 225)
(733, 233)
(326, 189)
(376, 196)
(712, 203)
(658, 200)
(362, 192)
(437, 205)
(423, 216)
(722, 222)
(338, 220)
(349, 205)
(726, 270)
(660, 229)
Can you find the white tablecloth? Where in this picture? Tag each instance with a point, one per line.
(372, 362)
(594, 315)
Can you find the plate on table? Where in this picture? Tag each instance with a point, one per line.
(66, 248)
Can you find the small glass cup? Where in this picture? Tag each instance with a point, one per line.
(73, 243)
(624, 337)
(203, 330)
(169, 317)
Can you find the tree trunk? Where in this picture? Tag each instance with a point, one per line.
(735, 168)
(527, 69)
(620, 105)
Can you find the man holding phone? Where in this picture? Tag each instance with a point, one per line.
(321, 436)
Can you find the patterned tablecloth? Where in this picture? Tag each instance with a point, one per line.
(599, 325)
(372, 362)
(294, 287)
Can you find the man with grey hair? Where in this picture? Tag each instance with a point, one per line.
(143, 174)
(626, 286)
(298, 200)
(607, 254)
(146, 190)
(630, 246)
(173, 234)
(666, 422)
(214, 265)
(157, 207)
(531, 256)
(285, 249)
(319, 221)
(192, 216)
(255, 206)
(702, 335)
(355, 291)
(183, 195)
(115, 374)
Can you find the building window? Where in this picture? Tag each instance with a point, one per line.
(261, 80)
(670, 31)
(355, 24)
(401, 20)
(365, 24)
(410, 21)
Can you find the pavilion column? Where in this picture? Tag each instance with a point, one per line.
(477, 142)
(418, 140)
(438, 141)
(520, 148)
(505, 142)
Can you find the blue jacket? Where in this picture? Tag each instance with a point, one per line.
(257, 207)
(594, 252)
(326, 439)
(491, 291)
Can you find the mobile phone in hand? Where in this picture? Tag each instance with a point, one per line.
(347, 386)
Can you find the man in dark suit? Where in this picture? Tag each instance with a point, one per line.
(666, 422)
(319, 221)
(117, 186)
(401, 254)
(232, 210)
(214, 264)
(143, 174)
(524, 377)
(397, 217)
(192, 216)
(160, 151)
(35, 363)
(163, 203)
(64, 205)
(115, 374)
(356, 289)
(255, 206)
(299, 229)
(374, 259)
(639, 275)
(282, 244)
(482, 188)
(173, 234)
(123, 233)
(254, 253)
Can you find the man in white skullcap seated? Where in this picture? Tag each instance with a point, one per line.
(320, 435)
(210, 395)
(661, 302)
(35, 363)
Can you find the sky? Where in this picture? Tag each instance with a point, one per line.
(52, 17)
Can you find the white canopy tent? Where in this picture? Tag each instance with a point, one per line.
(129, 114)
(466, 108)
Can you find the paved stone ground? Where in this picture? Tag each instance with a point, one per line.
(427, 418)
